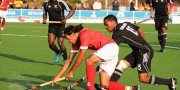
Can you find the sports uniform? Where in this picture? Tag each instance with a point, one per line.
(161, 19)
(55, 9)
(142, 52)
(141, 55)
(3, 11)
(104, 46)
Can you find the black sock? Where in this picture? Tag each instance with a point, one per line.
(160, 39)
(64, 54)
(116, 75)
(160, 81)
(164, 40)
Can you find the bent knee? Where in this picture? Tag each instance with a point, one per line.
(144, 80)
(89, 61)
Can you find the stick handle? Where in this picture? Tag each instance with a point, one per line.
(76, 83)
(53, 21)
(47, 83)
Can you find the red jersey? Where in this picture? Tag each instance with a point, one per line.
(90, 39)
(4, 4)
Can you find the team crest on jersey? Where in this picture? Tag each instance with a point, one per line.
(55, 6)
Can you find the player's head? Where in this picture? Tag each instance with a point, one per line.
(71, 33)
(110, 22)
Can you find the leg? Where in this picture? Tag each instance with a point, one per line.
(90, 70)
(163, 40)
(153, 80)
(63, 48)
(3, 23)
(52, 46)
(119, 69)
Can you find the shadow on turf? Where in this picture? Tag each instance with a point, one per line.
(49, 78)
(14, 57)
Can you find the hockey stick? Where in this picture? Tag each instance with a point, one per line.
(44, 84)
(143, 21)
(53, 21)
(75, 83)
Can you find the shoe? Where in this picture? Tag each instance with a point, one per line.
(137, 87)
(162, 49)
(98, 87)
(2, 28)
(172, 86)
(56, 58)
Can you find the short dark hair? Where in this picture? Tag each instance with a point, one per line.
(73, 29)
(110, 17)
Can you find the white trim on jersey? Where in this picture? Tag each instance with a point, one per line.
(75, 51)
(83, 47)
(65, 4)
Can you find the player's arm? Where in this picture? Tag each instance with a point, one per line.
(141, 32)
(44, 13)
(170, 6)
(151, 5)
(68, 8)
(65, 66)
(76, 63)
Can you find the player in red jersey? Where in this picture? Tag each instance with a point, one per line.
(3, 11)
(106, 53)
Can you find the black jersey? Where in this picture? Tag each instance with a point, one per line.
(55, 9)
(127, 33)
(160, 6)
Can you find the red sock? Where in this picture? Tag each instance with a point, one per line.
(90, 73)
(116, 86)
(3, 23)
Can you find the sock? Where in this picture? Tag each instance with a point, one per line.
(118, 71)
(64, 54)
(156, 80)
(90, 73)
(116, 86)
(116, 75)
(160, 39)
(164, 40)
(3, 23)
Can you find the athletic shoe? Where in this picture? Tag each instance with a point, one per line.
(137, 87)
(162, 49)
(56, 58)
(2, 28)
(98, 87)
(172, 86)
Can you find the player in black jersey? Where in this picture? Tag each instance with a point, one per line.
(141, 55)
(55, 10)
(160, 7)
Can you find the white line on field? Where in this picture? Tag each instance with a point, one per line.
(97, 30)
(46, 36)
(22, 35)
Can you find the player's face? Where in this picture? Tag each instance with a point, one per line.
(109, 25)
(71, 38)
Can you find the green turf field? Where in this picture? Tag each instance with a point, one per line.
(26, 60)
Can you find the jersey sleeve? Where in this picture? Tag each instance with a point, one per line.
(75, 47)
(65, 5)
(84, 39)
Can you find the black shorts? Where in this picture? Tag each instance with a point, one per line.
(161, 22)
(57, 30)
(140, 60)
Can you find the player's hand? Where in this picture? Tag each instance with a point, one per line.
(53, 80)
(44, 22)
(69, 76)
(64, 21)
